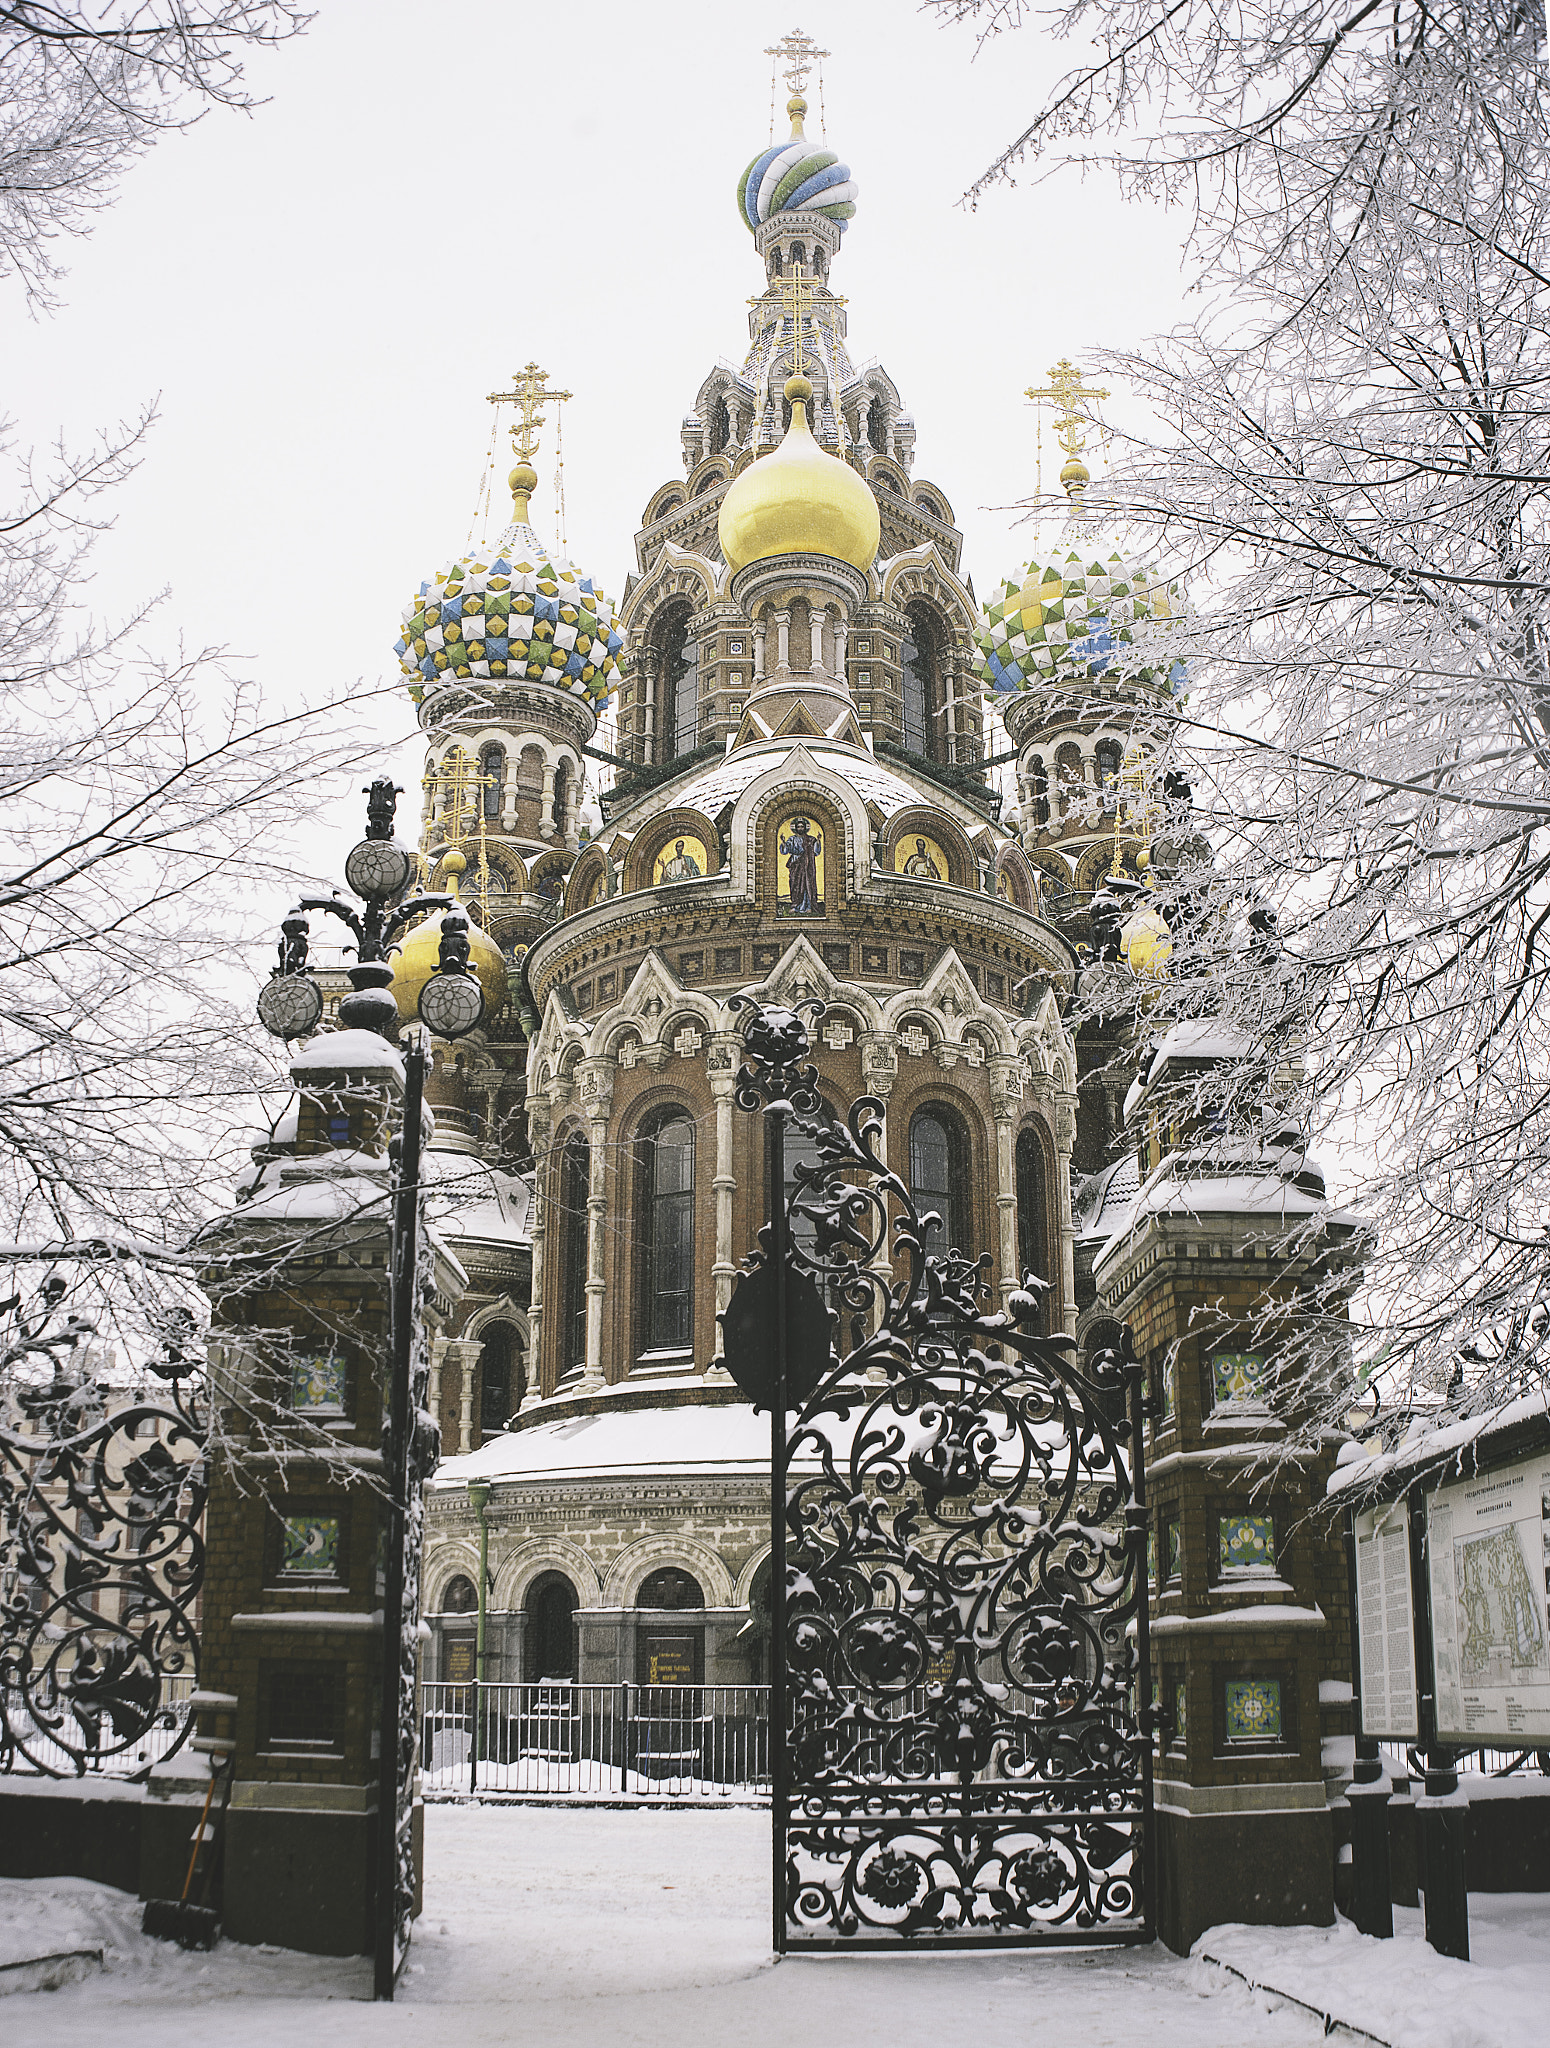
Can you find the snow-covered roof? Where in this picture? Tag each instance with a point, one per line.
(1197, 1039)
(323, 1187)
(1426, 1444)
(694, 1438)
(1252, 1197)
(471, 1199)
(1102, 1205)
(720, 783)
(356, 1051)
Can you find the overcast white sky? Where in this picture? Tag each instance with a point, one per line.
(319, 296)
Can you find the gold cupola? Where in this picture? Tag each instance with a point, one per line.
(416, 956)
(799, 500)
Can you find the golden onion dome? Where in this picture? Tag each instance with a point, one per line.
(416, 956)
(799, 500)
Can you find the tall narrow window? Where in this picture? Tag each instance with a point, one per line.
(939, 1177)
(923, 725)
(1033, 1253)
(561, 794)
(500, 1376)
(492, 770)
(678, 692)
(877, 426)
(667, 1208)
(1107, 758)
(575, 1179)
(720, 427)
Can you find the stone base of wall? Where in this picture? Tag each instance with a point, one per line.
(1269, 1869)
(129, 1836)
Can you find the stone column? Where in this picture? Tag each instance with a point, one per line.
(463, 1352)
(433, 1391)
(1065, 1142)
(509, 793)
(649, 665)
(815, 615)
(783, 641)
(1006, 1094)
(879, 1071)
(841, 641)
(538, 1130)
(546, 803)
(596, 1096)
(721, 1064)
(761, 626)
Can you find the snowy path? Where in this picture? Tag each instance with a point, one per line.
(576, 1928)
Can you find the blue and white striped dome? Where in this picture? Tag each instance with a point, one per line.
(796, 176)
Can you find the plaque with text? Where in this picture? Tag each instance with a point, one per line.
(1488, 1540)
(1385, 1620)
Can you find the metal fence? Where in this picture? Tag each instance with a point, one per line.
(1489, 1763)
(156, 1734)
(558, 1739)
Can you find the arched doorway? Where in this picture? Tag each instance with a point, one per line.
(550, 1609)
(457, 1633)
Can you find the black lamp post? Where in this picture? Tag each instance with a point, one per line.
(451, 1004)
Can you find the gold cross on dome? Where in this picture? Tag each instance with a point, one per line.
(799, 53)
(529, 391)
(796, 296)
(1067, 394)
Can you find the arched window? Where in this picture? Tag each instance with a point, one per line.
(720, 431)
(799, 637)
(939, 1176)
(575, 1184)
(930, 507)
(799, 253)
(500, 1376)
(670, 1588)
(1033, 1250)
(550, 1608)
(561, 794)
(877, 425)
(922, 686)
(460, 1597)
(492, 770)
(678, 691)
(775, 263)
(665, 1207)
(1107, 756)
(1068, 776)
(1038, 784)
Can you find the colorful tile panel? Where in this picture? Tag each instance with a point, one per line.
(1246, 1542)
(1239, 1376)
(309, 1547)
(1253, 1709)
(318, 1383)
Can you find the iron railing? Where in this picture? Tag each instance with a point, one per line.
(33, 1750)
(553, 1738)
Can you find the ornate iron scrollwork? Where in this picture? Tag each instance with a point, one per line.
(967, 1756)
(103, 1554)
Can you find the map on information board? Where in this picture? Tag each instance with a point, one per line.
(1489, 1545)
(1385, 1627)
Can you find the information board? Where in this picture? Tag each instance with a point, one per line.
(1385, 1623)
(1488, 1541)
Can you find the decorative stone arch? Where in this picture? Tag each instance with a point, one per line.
(1022, 886)
(742, 1591)
(520, 1567)
(768, 863)
(884, 474)
(654, 995)
(677, 573)
(1096, 861)
(1047, 1046)
(710, 476)
(588, 882)
(682, 822)
(801, 778)
(456, 1560)
(633, 1566)
(932, 500)
(800, 973)
(921, 576)
(923, 821)
(506, 862)
(671, 497)
(546, 877)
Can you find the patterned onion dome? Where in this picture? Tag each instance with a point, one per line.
(517, 609)
(1064, 622)
(796, 175)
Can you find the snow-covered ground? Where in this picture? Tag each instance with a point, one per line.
(576, 1928)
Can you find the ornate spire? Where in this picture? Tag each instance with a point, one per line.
(529, 393)
(1070, 396)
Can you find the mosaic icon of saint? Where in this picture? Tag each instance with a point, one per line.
(683, 867)
(800, 849)
(921, 865)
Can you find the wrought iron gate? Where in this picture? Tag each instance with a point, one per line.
(963, 1755)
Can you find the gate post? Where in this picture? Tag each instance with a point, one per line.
(1250, 1629)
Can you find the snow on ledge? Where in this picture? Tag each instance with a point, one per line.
(358, 1052)
(1268, 1615)
(1430, 1445)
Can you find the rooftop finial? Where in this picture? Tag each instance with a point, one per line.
(529, 393)
(1069, 395)
(798, 53)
